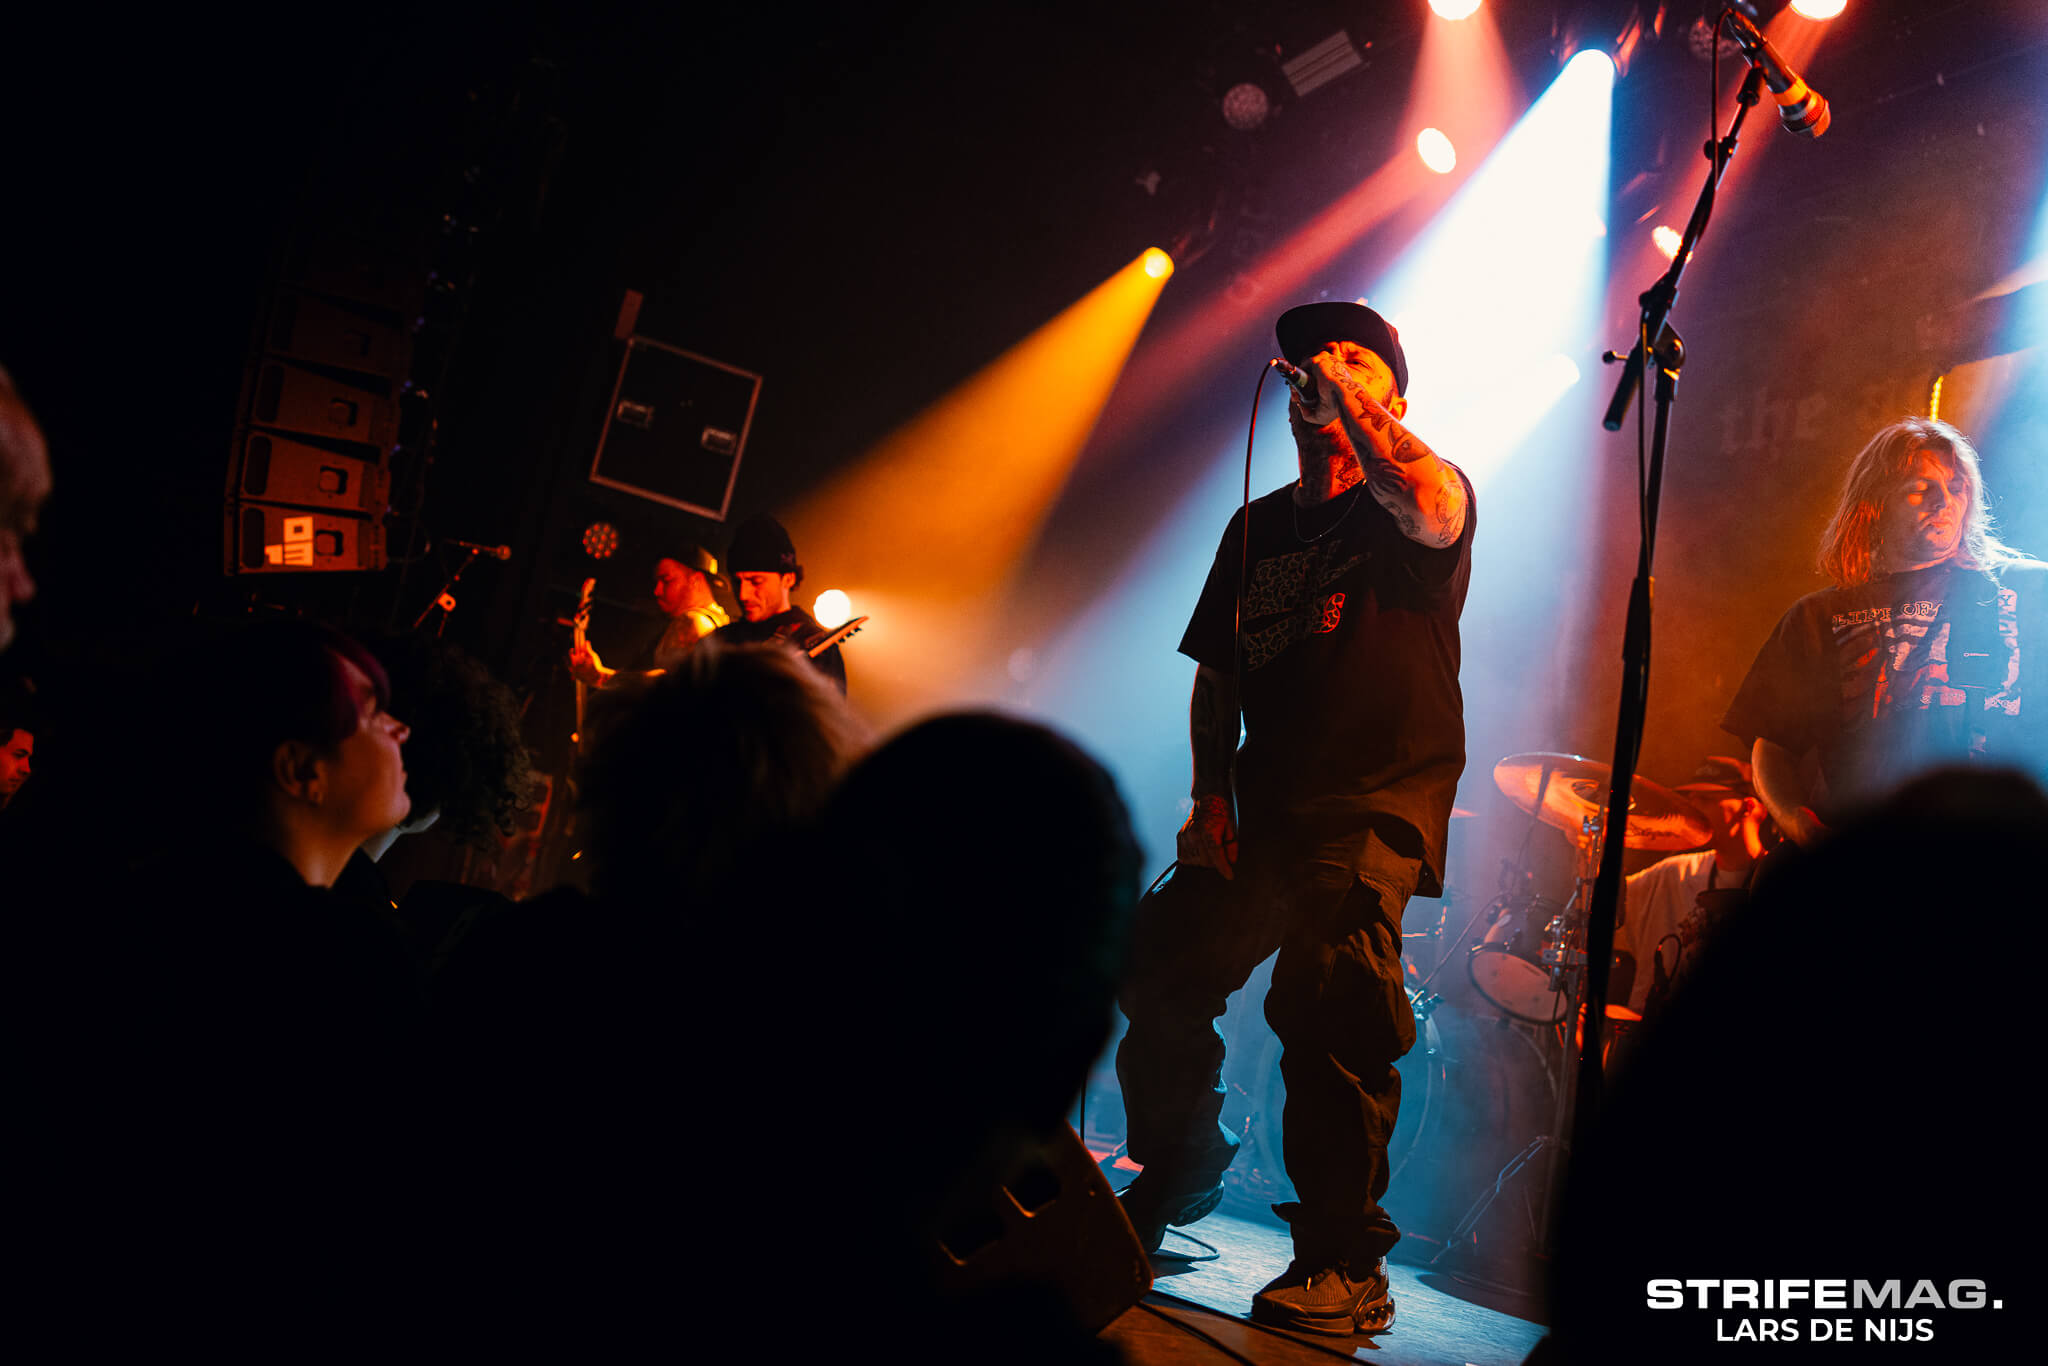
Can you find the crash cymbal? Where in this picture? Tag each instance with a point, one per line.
(1658, 818)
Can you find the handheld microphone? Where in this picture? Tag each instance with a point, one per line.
(1801, 108)
(496, 552)
(1303, 382)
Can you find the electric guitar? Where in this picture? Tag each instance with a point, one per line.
(578, 625)
(832, 637)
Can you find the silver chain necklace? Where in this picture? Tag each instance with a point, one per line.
(1294, 507)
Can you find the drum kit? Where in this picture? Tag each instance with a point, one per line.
(1529, 966)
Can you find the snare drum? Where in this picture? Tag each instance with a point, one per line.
(1512, 967)
(1615, 1039)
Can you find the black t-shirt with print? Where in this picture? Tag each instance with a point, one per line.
(1899, 675)
(1352, 714)
(793, 627)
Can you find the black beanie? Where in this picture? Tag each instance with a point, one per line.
(761, 546)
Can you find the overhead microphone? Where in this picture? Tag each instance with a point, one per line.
(496, 552)
(1801, 108)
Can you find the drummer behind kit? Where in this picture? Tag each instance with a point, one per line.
(1529, 964)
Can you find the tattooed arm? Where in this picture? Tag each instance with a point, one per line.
(1404, 476)
(1209, 839)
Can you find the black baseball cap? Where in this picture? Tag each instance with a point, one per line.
(693, 556)
(1305, 330)
(1720, 776)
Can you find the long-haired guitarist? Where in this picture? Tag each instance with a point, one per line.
(1919, 656)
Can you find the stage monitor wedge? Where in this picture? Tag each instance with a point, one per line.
(676, 427)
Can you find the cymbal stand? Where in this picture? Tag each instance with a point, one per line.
(1565, 956)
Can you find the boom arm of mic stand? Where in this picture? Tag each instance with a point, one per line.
(1658, 298)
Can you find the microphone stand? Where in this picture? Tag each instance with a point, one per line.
(445, 599)
(1655, 340)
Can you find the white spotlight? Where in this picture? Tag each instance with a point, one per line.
(1512, 257)
(832, 608)
(1436, 151)
(1591, 62)
(1454, 9)
(1818, 9)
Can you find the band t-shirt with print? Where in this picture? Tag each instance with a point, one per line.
(1903, 674)
(1353, 719)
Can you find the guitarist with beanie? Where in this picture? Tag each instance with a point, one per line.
(763, 564)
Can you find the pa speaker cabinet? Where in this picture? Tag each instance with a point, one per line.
(676, 427)
(280, 540)
(274, 469)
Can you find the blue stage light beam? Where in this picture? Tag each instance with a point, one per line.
(1498, 301)
(2028, 324)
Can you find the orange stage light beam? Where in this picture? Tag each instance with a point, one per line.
(926, 529)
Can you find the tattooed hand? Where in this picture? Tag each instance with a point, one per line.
(1327, 394)
(1209, 839)
(1424, 494)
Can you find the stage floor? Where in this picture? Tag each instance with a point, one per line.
(1197, 1311)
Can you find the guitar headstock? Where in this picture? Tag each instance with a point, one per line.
(580, 622)
(834, 636)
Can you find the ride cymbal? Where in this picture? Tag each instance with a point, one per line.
(1574, 792)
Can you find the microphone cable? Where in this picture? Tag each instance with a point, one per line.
(1244, 539)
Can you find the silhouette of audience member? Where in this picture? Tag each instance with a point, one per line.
(1818, 1103)
(989, 874)
(24, 484)
(306, 759)
(244, 1095)
(595, 1039)
(466, 773)
(466, 769)
(695, 786)
(17, 750)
